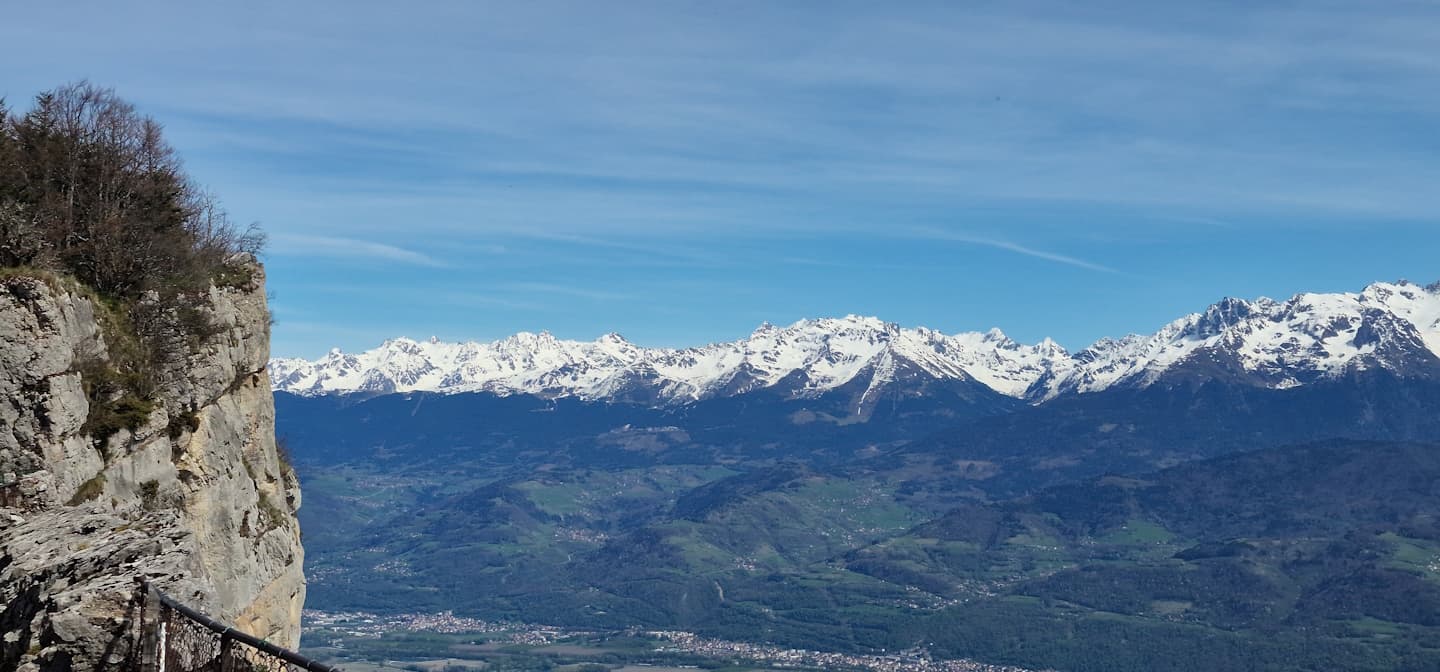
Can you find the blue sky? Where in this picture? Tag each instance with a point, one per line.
(681, 171)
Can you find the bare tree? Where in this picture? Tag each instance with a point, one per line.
(89, 186)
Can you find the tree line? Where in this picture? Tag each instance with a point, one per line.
(90, 188)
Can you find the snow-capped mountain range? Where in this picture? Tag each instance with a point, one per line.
(1264, 343)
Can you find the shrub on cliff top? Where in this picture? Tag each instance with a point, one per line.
(90, 188)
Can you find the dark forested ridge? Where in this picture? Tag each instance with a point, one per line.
(1137, 430)
(1318, 554)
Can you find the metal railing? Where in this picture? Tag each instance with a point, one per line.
(185, 640)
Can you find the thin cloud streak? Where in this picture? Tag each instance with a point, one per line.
(289, 244)
(547, 288)
(424, 295)
(951, 236)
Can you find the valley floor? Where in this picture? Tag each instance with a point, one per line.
(443, 642)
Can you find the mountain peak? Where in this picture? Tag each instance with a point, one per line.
(1309, 337)
(849, 322)
(1048, 346)
(1222, 315)
(830, 352)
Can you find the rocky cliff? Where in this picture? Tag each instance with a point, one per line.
(184, 487)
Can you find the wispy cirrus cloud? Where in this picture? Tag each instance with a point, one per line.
(291, 244)
(567, 290)
(999, 244)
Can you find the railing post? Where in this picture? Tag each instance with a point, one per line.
(160, 647)
(227, 658)
(149, 641)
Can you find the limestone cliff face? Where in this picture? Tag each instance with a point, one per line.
(196, 498)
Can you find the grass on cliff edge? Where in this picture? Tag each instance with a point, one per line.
(120, 386)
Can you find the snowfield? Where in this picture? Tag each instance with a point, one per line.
(1268, 343)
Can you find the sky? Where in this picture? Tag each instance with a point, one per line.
(679, 172)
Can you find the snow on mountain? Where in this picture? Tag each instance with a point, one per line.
(828, 352)
(1263, 342)
(1269, 343)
